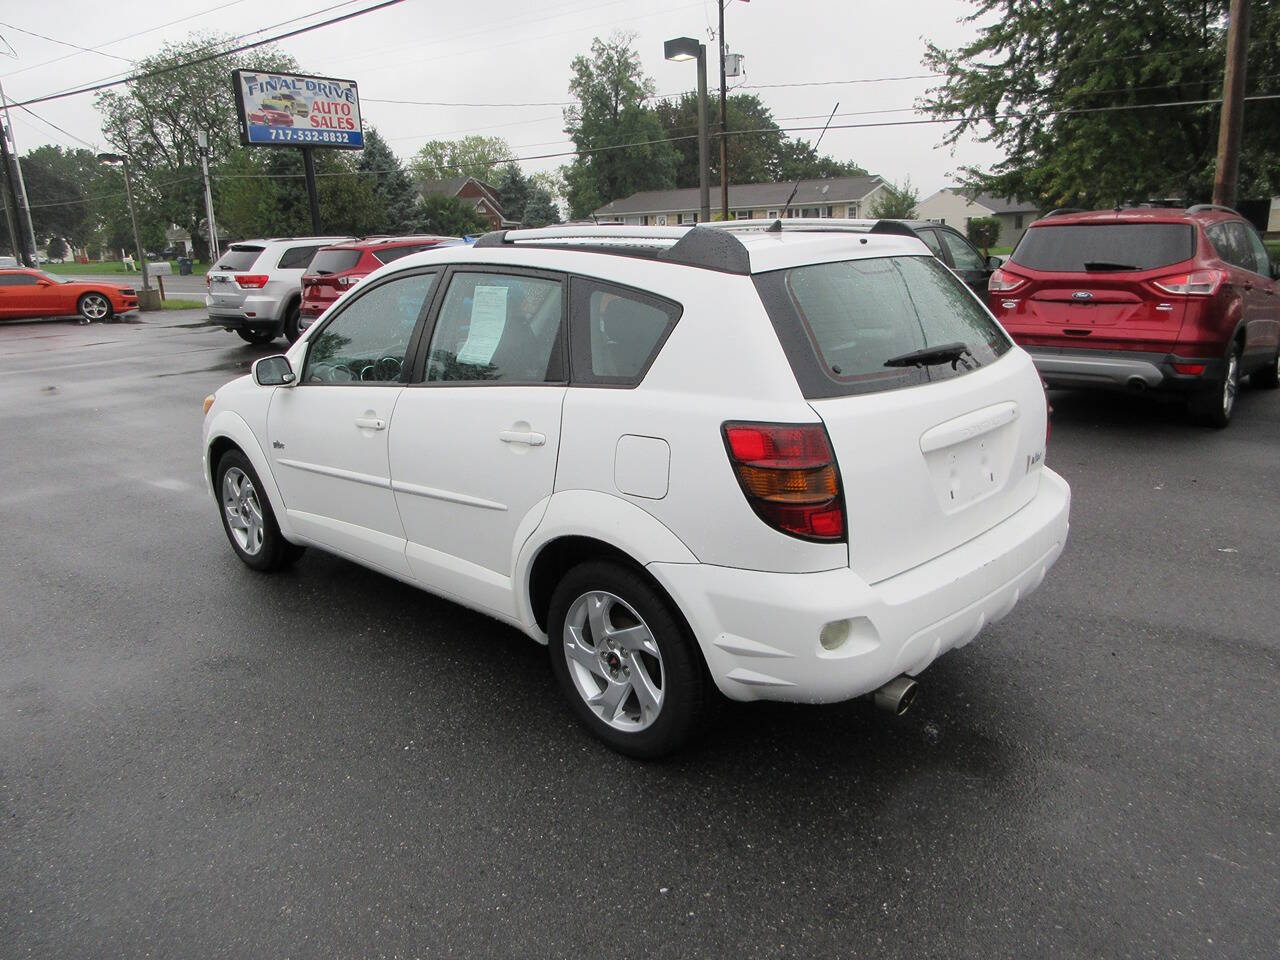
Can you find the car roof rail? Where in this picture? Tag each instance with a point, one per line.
(815, 225)
(1207, 207)
(1063, 211)
(692, 246)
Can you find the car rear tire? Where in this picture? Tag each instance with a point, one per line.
(626, 661)
(256, 337)
(1268, 377)
(291, 329)
(1214, 405)
(247, 517)
(94, 308)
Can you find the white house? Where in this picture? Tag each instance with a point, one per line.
(836, 197)
(950, 206)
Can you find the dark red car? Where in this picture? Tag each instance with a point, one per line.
(336, 269)
(1165, 299)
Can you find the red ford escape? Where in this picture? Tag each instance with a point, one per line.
(337, 269)
(1177, 301)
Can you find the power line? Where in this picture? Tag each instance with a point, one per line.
(32, 33)
(213, 56)
(109, 43)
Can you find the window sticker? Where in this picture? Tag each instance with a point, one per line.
(488, 320)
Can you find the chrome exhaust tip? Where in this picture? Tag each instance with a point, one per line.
(897, 695)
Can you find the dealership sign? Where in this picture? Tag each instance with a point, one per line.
(289, 110)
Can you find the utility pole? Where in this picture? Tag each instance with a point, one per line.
(309, 168)
(8, 219)
(202, 139)
(1229, 132)
(22, 185)
(724, 128)
(11, 196)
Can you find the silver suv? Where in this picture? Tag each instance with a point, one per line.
(255, 288)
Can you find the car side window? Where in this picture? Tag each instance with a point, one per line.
(368, 340)
(17, 280)
(963, 256)
(930, 238)
(498, 328)
(1230, 244)
(1260, 255)
(296, 258)
(617, 332)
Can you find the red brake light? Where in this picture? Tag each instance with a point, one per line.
(1197, 283)
(788, 474)
(1189, 369)
(1002, 281)
(252, 281)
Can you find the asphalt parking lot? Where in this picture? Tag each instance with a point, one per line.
(200, 761)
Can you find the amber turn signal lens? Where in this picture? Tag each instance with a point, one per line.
(815, 485)
(208, 402)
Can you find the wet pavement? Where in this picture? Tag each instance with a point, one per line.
(200, 761)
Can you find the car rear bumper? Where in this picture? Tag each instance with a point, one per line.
(1120, 369)
(760, 632)
(237, 319)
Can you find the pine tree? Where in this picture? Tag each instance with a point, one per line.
(390, 181)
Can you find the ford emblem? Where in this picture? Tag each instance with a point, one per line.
(1082, 295)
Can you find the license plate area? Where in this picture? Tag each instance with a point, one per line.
(971, 458)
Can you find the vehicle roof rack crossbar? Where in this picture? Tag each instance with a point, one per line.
(803, 224)
(1205, 207)
(1063, 211)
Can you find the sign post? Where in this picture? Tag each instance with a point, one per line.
(292, 110)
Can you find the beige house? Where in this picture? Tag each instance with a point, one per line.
(950, 206)
(1273, 223)
(837, 197)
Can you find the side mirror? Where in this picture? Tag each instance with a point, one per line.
(994, 262)
(274, 372)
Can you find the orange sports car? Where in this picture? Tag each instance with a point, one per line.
(34, 293)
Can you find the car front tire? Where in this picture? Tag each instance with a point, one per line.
(94, 308)
(247, 517)
(625, 660)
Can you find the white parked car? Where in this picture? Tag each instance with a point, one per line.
(781, 464)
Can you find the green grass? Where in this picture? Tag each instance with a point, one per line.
(1273, 247)
(177, 304)
(1000, 251)
(107, 267)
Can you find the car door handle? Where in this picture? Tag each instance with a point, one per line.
(522, 436)
(371, 423)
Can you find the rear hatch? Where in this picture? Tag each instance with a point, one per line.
(932, 454)
(1090, 285)
(330, 274)
(239, 259)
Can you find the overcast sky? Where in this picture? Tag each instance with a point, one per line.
(505, 51)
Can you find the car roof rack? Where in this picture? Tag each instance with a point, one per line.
(693, 246)
(1206, 207)
(815, 225)
(1063, 211)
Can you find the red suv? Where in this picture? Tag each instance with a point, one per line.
(1180, 301)
(337, 269)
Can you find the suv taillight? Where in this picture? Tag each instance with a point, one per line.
(1002, 281)
(788, 474)
(252, 281)
(1197, 283)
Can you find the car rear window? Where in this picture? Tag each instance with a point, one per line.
(334, 261)
(840, 322)
(387, 254)
(238, 257)
(1078, 248)
(297, 258)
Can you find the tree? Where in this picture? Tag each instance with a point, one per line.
(984, 233)
(541, 209)
(1029, 59)
(473, 156)
(155, 122)
(447, 216)
(390, 181)
(59, 183)
(617, 135)
(898, 202)
(513, 191)
(58, 249)
(800, 161)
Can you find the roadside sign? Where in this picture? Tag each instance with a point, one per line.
(292, 110)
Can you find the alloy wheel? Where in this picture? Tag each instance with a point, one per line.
(244, 512)
(1230, 384)
(95, 306)
(614, 661)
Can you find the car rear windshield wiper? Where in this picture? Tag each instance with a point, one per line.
(951, 353)
(1108, 265)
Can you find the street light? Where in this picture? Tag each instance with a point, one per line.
(133, 214)
(686, 48)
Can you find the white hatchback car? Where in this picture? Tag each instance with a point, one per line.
(787, 463)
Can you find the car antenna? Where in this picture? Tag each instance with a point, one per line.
(787, 206)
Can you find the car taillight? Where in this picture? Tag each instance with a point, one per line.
(1197, 283)
(788, 474)
(1002, 281)
(251, 281)
(348, 281)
